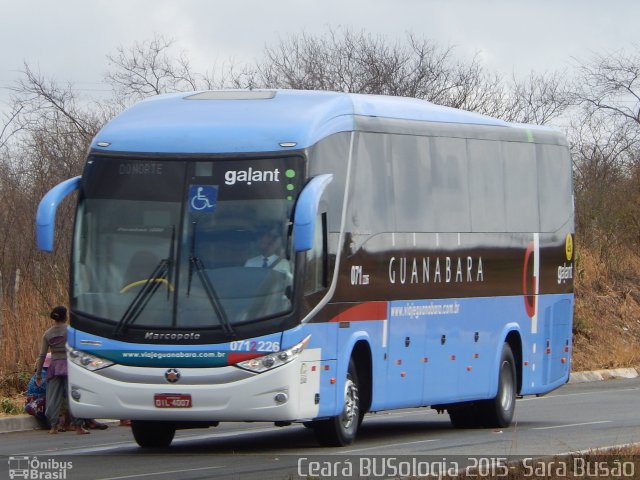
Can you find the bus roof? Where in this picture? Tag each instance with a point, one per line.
(234, 121)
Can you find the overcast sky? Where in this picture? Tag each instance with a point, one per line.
(69, 39)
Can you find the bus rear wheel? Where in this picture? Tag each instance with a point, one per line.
(342, 429)
(152, 434)
(498, 411)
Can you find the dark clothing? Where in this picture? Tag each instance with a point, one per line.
(58, 368)
(54, 339)
(35, 402)
(56, 396)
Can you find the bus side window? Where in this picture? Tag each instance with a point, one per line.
(316, 268)
(554, 185)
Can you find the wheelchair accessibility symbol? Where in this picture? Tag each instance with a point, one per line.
(203, 198)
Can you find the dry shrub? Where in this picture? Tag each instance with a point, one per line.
(607, 310)
(23, 323)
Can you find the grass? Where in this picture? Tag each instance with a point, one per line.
(12, 405)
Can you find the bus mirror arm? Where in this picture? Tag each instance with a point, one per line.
(46, 215)
(304, 220)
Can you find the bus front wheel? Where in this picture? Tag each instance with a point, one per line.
(342, 429)
(152, 434)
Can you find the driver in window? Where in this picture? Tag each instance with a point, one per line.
(271, 255)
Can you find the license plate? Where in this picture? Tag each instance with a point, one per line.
(170, 400)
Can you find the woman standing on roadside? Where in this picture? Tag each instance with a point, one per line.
(55, 339)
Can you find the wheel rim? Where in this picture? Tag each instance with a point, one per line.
(506, 387)
(350, 412)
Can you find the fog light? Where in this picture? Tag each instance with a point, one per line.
(75, 394)
(281, 398)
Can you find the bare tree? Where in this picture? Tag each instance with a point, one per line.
(49, 130)
(10, 125)
(39, 101)
(606, 149)
(610, 85)
(539, 99)
(603, 160)
(153, 67)
(347, 61)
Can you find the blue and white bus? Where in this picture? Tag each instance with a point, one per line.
(297, 256)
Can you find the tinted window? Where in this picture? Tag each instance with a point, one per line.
(414, 205)
(315, 278)
(430, 183)
(371, 198)
(554, 182)
(486, 186)
(445, 184)
(213, 233)
(331, 155)
(521, 187)
(450, 185)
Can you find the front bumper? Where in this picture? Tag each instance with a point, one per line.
(218, 394)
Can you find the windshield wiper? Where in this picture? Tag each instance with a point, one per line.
(196, 264)
(161, 274)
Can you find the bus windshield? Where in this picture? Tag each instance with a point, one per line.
(179, 244)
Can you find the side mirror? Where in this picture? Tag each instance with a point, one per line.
(46, 215)
(304, 220)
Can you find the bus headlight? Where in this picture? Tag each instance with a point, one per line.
(86, 360)
(274, 360)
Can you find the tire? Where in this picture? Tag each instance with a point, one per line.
(342, 429)
(152, 434)
(498, 411)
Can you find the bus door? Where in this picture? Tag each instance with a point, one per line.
(441, 361)
(557, 339)
(406, 345)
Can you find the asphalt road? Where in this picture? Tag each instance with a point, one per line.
(574, 418)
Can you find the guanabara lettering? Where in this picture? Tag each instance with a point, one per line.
(447, 269)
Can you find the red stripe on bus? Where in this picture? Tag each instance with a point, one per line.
(363, 311)
(233, 358)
